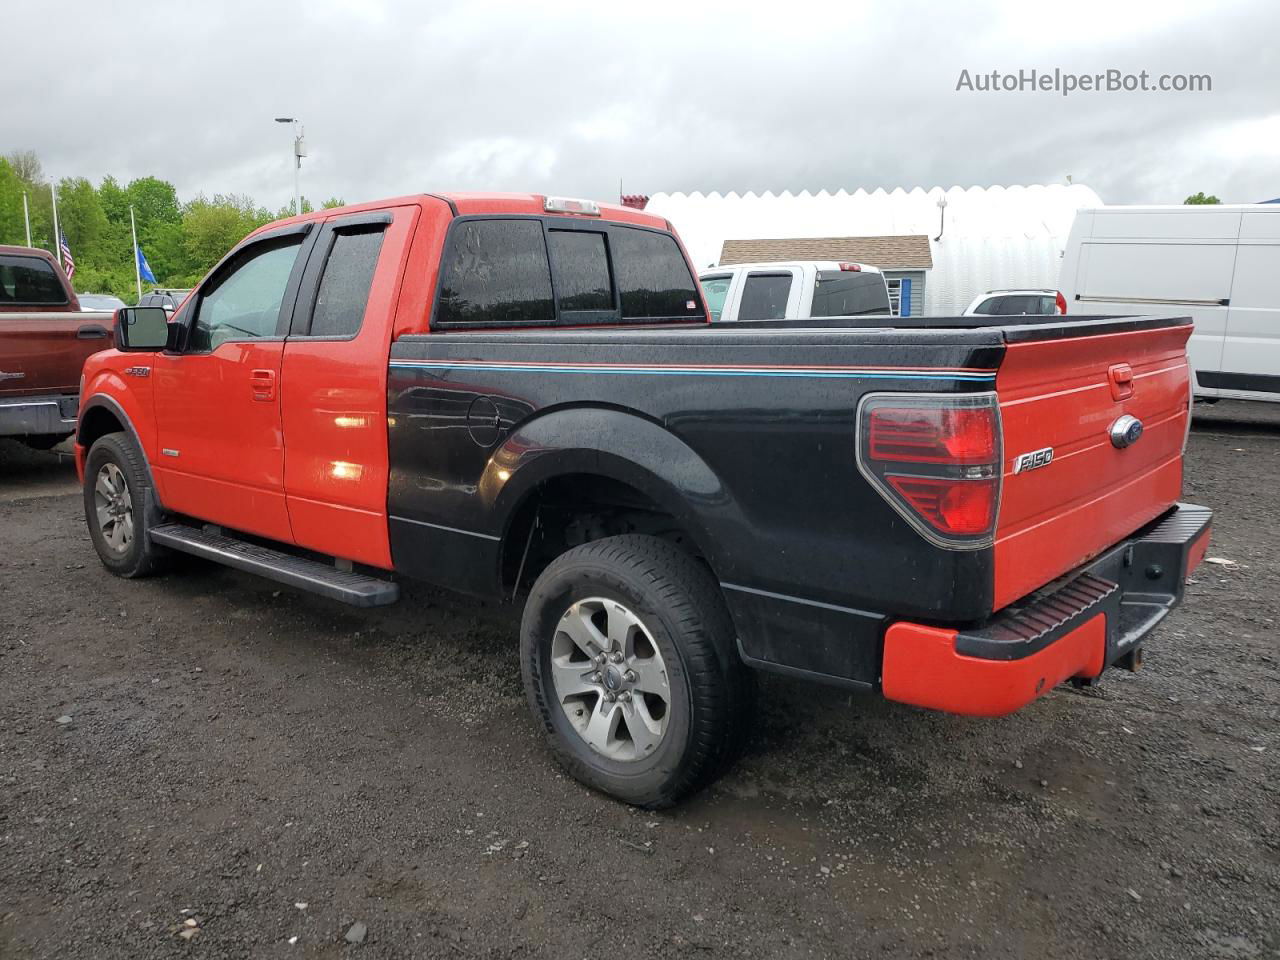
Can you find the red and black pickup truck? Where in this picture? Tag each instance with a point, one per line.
(44, 339)
(522, 396)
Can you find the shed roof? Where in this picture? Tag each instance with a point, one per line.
(906, 252)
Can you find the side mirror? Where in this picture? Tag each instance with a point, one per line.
(142, 328)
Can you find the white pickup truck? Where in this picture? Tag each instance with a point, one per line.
(794, 290)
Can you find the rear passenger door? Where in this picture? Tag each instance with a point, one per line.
(333, 385)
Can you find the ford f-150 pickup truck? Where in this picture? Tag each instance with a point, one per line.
(44, 340)
(523, 396)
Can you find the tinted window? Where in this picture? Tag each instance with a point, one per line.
(245, 303)
(716, 289)
(582, 270)
(844, 293)
(496, 272)
(1017, 305)
(344, 286)
(989, 306)
(1048, 305)
(764, 296)
(652, 276)
(29, 281)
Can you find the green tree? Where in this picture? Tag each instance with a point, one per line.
(211, 227)
(181, 241)
(83, 222)
(154, 201)
(1200, 198)
(27, 165)
(12, 187)
(114, 199)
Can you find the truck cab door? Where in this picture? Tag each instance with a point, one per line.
(334, 386)
(217, 402)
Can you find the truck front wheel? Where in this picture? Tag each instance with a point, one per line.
(116, 498)
(629, 663)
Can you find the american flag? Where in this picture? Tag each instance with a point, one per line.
(68, 265)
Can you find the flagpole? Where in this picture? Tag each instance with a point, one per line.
(137, 267)
(57, 236)
(26, 216)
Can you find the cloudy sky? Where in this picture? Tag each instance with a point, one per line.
(571, 98)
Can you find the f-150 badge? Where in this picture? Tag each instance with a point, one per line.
(6, 375)
(1033, 460)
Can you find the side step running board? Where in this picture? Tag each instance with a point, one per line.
(357, 589)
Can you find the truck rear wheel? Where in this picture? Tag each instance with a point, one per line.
(629, 663)
(116, 498)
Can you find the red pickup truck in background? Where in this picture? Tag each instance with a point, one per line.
(44, 340)
(517, 395)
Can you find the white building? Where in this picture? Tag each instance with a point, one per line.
(984, 238)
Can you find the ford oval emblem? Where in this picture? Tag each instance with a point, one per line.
(1126, 431)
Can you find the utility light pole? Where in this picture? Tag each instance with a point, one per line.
(299, 151)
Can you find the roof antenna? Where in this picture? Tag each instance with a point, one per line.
(942, 217)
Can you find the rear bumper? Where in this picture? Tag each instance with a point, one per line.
(1072, 629)
(29, 416)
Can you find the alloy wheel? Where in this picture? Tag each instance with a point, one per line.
(610, 679)
(114, 506)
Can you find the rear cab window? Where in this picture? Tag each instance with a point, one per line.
(29, 281)
(581, 260)
(544, 271)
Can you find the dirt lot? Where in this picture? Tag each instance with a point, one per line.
(275, 767)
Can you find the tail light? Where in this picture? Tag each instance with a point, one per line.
(1061, 303)
(850, 267)
(937, 460)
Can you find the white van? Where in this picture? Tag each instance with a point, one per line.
(1219, 264)
(795, 289)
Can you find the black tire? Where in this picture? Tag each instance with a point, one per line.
(681, 608)
(139, 557)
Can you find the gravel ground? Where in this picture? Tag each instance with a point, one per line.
(206, 765)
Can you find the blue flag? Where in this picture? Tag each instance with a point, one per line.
(144, 268)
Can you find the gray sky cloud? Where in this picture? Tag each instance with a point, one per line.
(401, 97)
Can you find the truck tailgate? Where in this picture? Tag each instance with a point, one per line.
(43, 353)
(1059, 510)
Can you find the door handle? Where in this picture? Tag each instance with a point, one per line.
(263, 384)
(91, 332)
